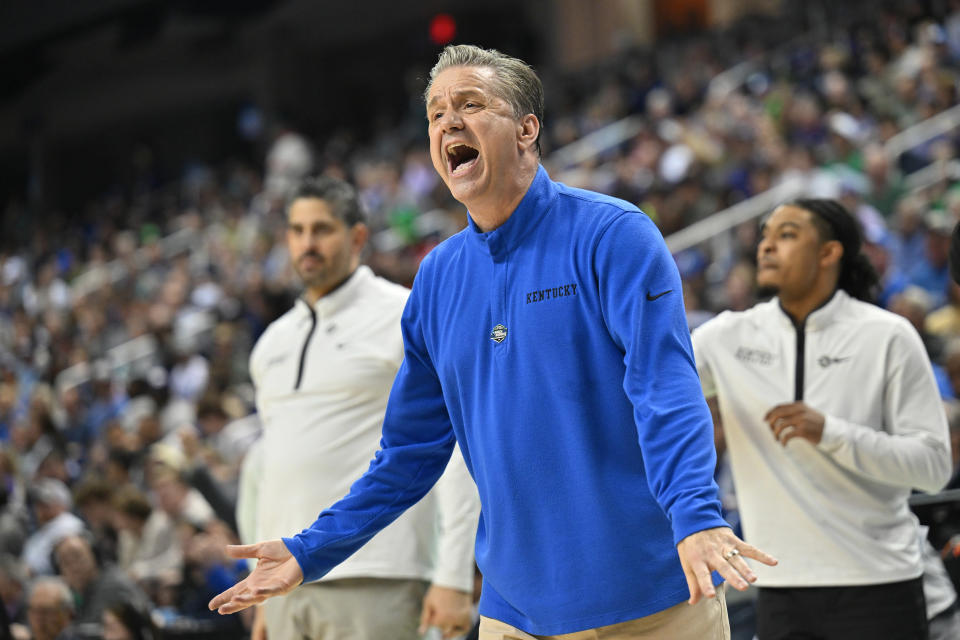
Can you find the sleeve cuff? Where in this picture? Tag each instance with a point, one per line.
(832, 437)
(705, 516)
(300, 553)
(458, 580)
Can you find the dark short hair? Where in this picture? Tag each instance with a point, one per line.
(517, 82)
(337, 193)
(132, 502)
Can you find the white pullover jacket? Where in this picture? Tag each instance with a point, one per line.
(835, 513)
(322, 376)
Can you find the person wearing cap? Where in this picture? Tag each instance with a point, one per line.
(831, 416)
(51, 503)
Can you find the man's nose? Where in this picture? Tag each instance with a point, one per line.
(451, 121)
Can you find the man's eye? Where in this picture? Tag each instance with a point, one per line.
(437, 115)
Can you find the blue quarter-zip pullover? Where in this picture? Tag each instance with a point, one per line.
(556, 351)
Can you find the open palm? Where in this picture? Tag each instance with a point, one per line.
(276, 573)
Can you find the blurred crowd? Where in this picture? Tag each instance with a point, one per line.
(125, 326)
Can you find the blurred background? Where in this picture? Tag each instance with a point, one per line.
(146, 148)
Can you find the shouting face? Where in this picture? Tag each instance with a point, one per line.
(477, 143)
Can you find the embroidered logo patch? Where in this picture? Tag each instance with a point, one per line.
(826, 361)
(754, 356)
(498, 334)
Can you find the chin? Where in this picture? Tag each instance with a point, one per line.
(766, 290)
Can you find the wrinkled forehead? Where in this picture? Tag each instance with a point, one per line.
(464, 79)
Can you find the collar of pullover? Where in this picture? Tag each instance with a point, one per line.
(531, 210)
(820, 317)
(343, 295)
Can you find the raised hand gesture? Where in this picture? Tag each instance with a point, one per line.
(276, 573)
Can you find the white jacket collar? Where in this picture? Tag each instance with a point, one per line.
(343, 295)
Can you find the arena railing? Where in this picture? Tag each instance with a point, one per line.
(124, 358)
(754, 207)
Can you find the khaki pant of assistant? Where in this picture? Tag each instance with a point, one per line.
(347, 609)
(706, 620)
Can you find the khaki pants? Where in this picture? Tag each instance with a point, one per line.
(706, 620)
(347, 609)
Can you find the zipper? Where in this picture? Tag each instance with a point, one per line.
(306, 343)
(798, 379)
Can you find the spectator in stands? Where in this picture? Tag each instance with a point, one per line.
(175, 497)
(93, 499)
(945, 321)
(51, 502)
(51, 610)
(148, 547)
(932, 271)
(128, 621)
(94, 586)
(914, 304)
(14, 514)
(13, 585)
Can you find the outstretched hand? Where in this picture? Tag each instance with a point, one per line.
(721, 551)
(276, 573)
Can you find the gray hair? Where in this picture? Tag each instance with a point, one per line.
(59, 585)
(517, 82)
(341, 197)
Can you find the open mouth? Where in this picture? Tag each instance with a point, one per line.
(460, 158)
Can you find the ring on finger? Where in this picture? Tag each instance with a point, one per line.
(733, 553)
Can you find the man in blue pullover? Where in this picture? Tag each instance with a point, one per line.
(549, 340)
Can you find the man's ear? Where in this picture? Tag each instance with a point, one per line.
(528, 130)
(831, 253)
(359, 234)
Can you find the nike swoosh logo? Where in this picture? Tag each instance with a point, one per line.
(659, 295)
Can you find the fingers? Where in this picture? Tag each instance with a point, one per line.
(743, 569)
(241, 599)
(784, 432)
(243, 550)
(225, 597)
(750, 551)
(787, 421)
(782, 410)
(425, 618)
(692, 585)
(704, 580)
(456, 631)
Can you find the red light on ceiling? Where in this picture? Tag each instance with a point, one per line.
(443, 28)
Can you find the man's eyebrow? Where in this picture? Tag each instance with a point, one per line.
(457, 93)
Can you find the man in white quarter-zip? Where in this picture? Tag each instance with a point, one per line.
(831, 417)
(323, 373)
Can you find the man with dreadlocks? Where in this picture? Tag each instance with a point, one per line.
(831, 416)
